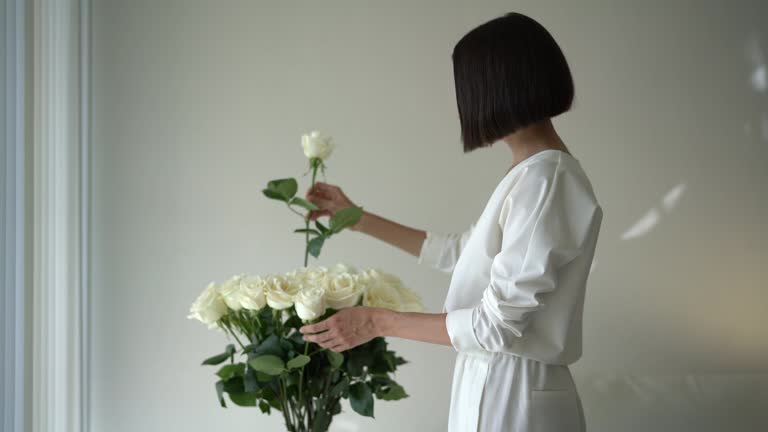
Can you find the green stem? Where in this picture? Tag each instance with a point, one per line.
(232, 332)
(279, 322)
(294, 410)
(301, 380)
(313, 164)
(258, 321)
(284, 403)
(291, 209)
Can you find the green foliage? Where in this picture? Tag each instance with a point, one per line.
(393, 392)
(361, 399)
(301, 202)
(345, 218)
(281, 189)
(335, 359)
(275, 366)
(315, 245)
(322, 228)
(297, 362)
(307, 230)
(229, 351)
(341, 389)
(264, 407)
(271, 345)
(322, 421)
(230, 370)
(243, 399)
(220, 393)
(268, 364)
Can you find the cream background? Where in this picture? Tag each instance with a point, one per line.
(196, 104)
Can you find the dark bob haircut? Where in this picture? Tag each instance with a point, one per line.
(509, 73)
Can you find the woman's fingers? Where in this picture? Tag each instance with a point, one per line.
(321, 188)
(321, 338)
(318, 214)
(338, 348)
(328, 197)
(324, 197)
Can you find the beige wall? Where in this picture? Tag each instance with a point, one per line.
(198, 103)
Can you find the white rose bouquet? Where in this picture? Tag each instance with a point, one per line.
(272, 366)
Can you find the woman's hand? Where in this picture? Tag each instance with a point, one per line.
(329, 198)
(347, 328)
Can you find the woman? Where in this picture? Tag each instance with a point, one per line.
(514, 306)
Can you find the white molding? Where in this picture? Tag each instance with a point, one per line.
(12, 230)
(60, 295)
(85, 213)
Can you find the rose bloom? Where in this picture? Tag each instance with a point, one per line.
(317, 145)
(280, 292)
(230, 292)
(343, 290)
(310, 303)
(341, 268)
(209, 306)
(308, 277)
(376, 274)
(253, 293)
(383, 295)
(388, 290)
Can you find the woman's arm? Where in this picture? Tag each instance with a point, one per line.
(351, 327)
(423, 327)
(403, 237)
(331, 199)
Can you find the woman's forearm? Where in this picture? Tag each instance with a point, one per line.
(423, 327)
(406, 238)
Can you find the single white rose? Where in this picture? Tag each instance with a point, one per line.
(317, 145)
(310, 303)
(253, 293)
(344, 290)
(209, 306)
(280, 292)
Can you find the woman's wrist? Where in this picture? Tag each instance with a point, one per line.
(384, 321)
(360, 225)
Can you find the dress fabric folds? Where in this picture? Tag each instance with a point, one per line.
(514, 304)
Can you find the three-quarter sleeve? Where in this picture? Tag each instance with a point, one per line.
(545, 221)
(441, 251)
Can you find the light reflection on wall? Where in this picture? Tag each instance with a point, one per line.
(672, 197)
(758, 80)
(652, 217)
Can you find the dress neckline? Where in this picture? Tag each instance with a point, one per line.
(538, 155)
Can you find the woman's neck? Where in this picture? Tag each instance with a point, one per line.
(532, 139)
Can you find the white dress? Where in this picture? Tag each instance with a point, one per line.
(516, 297)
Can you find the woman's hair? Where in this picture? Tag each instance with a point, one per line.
(509, 73)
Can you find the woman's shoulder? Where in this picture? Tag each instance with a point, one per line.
(554, 172)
